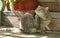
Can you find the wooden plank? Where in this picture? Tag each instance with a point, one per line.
(49, 0)
(55, 22)
(55, 15)
(0, 18)
(53, 6)
(12, 13)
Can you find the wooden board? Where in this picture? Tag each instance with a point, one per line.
(55, 22)
(54, 25)
(53, 6)
(48, 0)
(0, 18)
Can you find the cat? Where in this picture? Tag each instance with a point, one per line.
(43, 18)
(27, 23)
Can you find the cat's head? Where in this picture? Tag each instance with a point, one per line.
(41, 9)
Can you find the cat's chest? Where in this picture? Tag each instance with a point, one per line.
(40, 13)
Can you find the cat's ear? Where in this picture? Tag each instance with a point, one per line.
(46, 8)
(38, 7)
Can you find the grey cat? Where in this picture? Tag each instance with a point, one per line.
(31, 23)
(27, 23)
(43, 18)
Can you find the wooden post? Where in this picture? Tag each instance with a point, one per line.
(0, 18)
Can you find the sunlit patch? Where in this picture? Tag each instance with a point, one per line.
(44, 37)
(28, 36)
(1, 36)
(8, 37)
(7, 33)
(15, 30)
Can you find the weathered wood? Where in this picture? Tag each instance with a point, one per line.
(55, 22)
(55, 15)
(13, 20)
(10, 21)
(48, 0)
(0, 18)
(53, 6)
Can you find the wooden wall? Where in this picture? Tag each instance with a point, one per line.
(55, 22)
(48, 0)
(54, 5)
(54, 25)
(10, 19)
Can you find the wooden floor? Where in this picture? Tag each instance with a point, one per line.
(11, 35)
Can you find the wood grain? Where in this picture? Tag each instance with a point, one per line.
(55, 22)
(0, 18)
